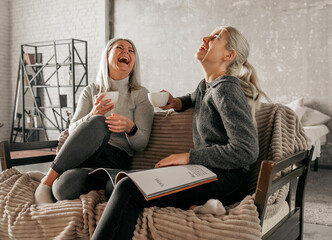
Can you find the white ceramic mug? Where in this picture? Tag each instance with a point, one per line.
(114, 95)
(158, 99)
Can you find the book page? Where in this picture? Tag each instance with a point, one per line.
(157, 181)
(106, 172)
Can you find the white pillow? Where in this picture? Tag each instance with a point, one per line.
(298, 107)
(312, 117)
(297, 102)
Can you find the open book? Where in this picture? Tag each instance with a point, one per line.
(157, 182)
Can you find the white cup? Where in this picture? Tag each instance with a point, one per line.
(114, 95)
(158, 99)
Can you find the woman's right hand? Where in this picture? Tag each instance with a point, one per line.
(173, 102)
(101, 107)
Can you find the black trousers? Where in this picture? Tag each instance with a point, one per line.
(126, 202)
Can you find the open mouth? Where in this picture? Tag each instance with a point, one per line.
(124, 60)
(203, 48)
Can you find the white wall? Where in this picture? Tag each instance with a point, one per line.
(5, 74)
(24, 21)
(47, 20)
(290, 44)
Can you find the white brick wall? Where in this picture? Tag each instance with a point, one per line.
(5, 78)
(45, 20)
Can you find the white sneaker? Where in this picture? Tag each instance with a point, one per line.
(43, 194)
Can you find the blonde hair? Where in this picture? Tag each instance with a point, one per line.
(242, 69)
(102, 79)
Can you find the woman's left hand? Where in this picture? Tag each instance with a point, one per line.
(174, 159)
(118, 123)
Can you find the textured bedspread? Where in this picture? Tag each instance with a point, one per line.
(21, 219)
(76, 219)
(240, 222)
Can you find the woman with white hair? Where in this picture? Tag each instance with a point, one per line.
(98, 141)
(224, 134)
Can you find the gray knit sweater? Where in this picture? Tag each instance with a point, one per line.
(135, 105)
(223, 130)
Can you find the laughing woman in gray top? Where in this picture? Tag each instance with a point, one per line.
(98, 141)
(224, 134)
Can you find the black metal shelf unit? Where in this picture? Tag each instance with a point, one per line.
(64, 72)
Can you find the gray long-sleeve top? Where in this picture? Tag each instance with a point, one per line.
(224, 134)
(135, 105)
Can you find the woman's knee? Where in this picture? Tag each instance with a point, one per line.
(97, 123)
(125, 189)
(94, 126)
(71, 184)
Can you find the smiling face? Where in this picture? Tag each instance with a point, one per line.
(213, 48)
(121, 59)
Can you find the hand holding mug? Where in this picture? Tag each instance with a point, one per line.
(172, 103)
(100, 106)
(118, 123)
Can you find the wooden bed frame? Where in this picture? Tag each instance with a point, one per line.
(290, 227)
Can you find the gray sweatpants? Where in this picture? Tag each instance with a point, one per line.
(85, 149)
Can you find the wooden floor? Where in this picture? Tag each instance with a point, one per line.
(317, 232)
